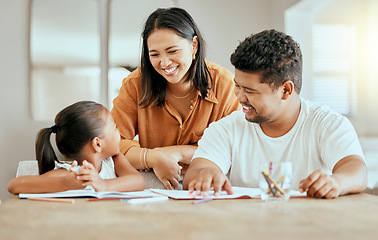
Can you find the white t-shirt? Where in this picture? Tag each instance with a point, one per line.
(318, 140)
(107, 168)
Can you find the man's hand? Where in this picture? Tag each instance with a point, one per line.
(320, 185)
(208, 178)
(203, 176)
(349, 175)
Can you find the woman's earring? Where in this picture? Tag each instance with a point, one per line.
(194, 56)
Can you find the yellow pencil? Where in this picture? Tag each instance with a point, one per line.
(274, 182)
(278, 182)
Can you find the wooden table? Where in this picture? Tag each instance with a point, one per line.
(349, 217)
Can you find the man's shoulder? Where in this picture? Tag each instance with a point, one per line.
(321, 113)
(236, 118)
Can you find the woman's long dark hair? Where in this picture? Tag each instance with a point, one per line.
(153, 84)
(75, 126)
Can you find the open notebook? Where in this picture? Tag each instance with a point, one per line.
(91, 194)
(238, 193)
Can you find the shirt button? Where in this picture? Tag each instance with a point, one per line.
(191, 107)
(180, 126)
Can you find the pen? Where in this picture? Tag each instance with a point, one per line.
(63, 200)
(145, 200)
(203, 200)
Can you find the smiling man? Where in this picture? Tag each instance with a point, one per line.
(277, 125)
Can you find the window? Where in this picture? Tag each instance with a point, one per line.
(334, 80)
(65, 55)
(81, 50)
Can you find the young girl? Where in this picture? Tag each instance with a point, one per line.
(86, 132)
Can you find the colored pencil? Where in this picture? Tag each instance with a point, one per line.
(63, 200)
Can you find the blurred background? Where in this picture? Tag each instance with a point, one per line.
(54, 53)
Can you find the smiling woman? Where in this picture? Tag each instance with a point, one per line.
(170, 100)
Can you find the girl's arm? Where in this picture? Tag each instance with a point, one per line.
(128, 178)
(52, 181)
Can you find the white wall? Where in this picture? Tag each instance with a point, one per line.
(224, 23)
(17, 130)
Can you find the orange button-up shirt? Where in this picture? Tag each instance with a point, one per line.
(163, 126)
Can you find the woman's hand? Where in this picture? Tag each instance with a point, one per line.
(89, 177)
(165, 166)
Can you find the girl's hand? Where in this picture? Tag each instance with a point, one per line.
(89, 176)
(166, 168)
(71, 180)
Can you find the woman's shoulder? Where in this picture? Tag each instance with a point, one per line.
(132, 83)
(218, 71)
(222, 77)
(133, 78)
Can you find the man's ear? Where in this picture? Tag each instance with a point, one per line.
(287, 89)
(97, 144)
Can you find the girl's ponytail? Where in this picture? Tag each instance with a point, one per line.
(44, 151)
(75, 126)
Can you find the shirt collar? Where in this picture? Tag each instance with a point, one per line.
(210, 96)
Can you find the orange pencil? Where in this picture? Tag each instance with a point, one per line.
(64, 200)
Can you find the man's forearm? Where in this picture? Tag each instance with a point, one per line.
(351, 174)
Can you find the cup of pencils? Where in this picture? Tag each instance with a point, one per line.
(275, 181)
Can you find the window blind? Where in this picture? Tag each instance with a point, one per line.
(333, 67)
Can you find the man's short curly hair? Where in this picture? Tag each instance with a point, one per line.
(274, 55)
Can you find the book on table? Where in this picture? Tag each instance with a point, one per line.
(83, 193)
(238, 193)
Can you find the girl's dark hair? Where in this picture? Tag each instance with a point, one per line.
(153, 84)
(75, 126)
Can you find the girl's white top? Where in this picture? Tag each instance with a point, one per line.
(107, 168)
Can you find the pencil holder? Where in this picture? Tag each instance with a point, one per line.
(275, 181)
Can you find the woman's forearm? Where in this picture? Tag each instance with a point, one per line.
(134, 157)
(182, 153)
